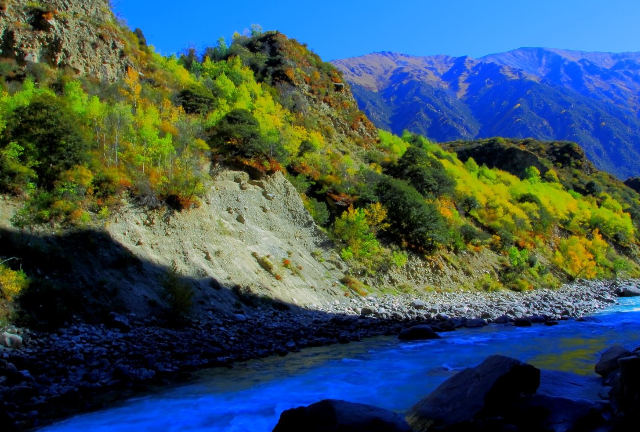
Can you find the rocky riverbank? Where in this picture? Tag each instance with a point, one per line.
(81, 367)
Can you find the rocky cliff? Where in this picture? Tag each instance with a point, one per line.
(82, 36)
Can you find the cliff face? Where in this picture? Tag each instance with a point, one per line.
(83, 36)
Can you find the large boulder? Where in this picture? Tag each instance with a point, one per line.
(554, 414)
(625, 395)
(609, 360)
(477, 391)
(332, 415)
(419, 332)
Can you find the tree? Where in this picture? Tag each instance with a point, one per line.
(238, 134)
(413, 219)
(424, 172)
(50, 138)
(353, 229)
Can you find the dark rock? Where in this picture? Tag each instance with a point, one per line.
(522, 322)
(503, 319)
(554, 414)
(496, 382)
(340, 416)
(475, 323)
(537, 319)
(609, 360)
(628, 291)
(365, 311)
(625, 395)
(119, 322)
(419, 332)
(446, 326)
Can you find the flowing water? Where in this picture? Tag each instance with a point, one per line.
(379, 371)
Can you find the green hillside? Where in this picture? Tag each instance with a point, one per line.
(73, 147)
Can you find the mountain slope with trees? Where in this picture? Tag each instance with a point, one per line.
(77, 148)
(588, 98)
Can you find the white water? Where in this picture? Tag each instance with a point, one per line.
(380, 371)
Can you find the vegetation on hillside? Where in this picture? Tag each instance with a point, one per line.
(72, 148)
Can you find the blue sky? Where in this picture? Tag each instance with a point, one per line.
(339, 29)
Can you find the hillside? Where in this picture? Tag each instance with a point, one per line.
(245, 175)
(588, 98)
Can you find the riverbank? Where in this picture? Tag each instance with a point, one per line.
(72, 370)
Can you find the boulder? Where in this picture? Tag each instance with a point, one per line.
(366, 311)
(496, 382)
(419, 332)
(502, 319)
(119, 321)
(475, 323)
(625, 395)
(628, 291)
(332, 415)
(522, 322)
(609, 360)
(418, 304)
(10, 340)
(554, 414)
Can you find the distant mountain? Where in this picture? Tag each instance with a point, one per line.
(548, 94)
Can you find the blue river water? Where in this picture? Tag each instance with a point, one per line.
(379, 371)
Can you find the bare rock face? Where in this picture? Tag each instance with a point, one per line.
(81, 35)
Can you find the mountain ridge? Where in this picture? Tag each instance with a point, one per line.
(548, 94)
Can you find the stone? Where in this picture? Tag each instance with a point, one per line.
(419, 332)
(628, 291)
(625, 395)
(365, 311)
(332, 415)
(609, 360)
(497, 381)
(418, 304)
(502, 319)
(554, 414)
(118, 321)
(9, 340)
(475, 323)
(522, 322)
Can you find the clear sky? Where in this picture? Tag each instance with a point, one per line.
(340, 29)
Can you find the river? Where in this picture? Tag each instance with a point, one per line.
(379, 371)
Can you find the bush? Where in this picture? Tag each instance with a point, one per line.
(413, 219)
(318, 210)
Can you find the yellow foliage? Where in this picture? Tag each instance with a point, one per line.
(580, 257)
(12, 282)
(376, 215)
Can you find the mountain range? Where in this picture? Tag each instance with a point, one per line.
(548, 94)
